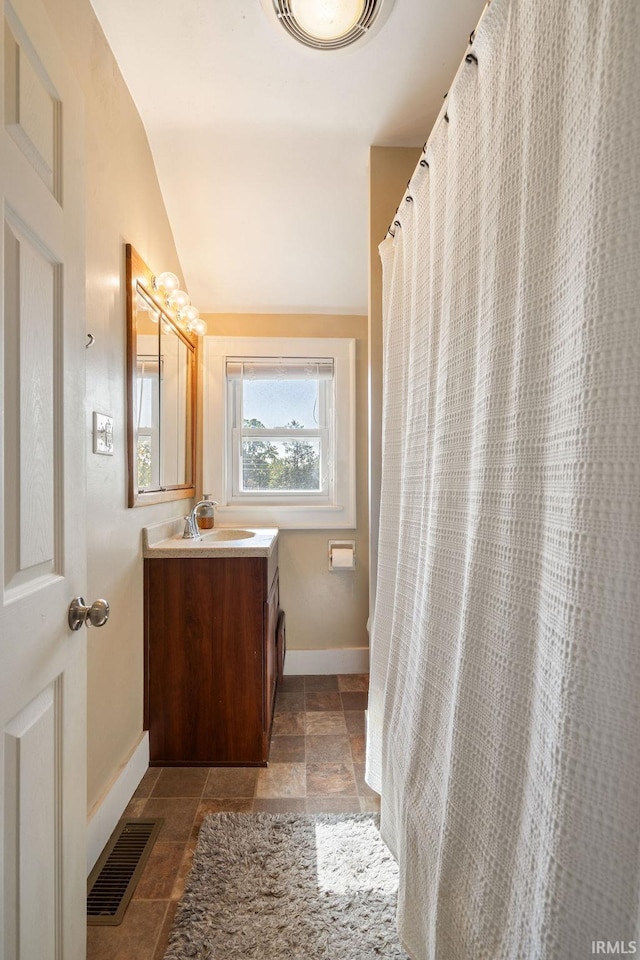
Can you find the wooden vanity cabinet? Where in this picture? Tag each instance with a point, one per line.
(211, 659)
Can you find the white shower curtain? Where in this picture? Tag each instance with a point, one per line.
(504, 713)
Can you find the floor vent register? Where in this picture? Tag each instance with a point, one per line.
(114, 878)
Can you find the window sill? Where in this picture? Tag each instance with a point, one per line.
(287, 517)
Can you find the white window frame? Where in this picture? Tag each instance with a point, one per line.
(244, 367)
(334, 508)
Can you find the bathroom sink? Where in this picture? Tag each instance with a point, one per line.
(220, 533)
(217, 535)
(165, 540)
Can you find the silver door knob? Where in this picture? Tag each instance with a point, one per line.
(95, 615)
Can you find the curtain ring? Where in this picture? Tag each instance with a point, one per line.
(90, 341)
(408, 199)
(446, 117)
(472, 37)
(471, 58)
(424, 163)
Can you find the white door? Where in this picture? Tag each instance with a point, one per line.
(42, 450)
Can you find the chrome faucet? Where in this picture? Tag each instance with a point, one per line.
(191, 528)
(191, 531)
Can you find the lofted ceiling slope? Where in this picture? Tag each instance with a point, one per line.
(261, 145)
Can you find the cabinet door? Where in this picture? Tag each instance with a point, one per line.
(270, 660)
(205, 641)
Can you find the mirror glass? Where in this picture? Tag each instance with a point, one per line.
(174, 398)
(161, 362)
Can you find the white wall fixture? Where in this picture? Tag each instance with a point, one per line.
(102, 434)
(342, 555)
(329, 24)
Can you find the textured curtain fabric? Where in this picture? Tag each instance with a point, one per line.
(504, 713)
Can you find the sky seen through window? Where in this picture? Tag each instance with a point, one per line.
(275, 403)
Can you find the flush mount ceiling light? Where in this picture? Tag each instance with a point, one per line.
(329, 24)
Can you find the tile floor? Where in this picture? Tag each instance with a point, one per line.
(316, 765)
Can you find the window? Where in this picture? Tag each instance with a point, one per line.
(281, 412)
(281, 428)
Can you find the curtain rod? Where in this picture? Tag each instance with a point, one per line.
(443, 114)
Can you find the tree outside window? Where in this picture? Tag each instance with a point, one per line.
(281, 465)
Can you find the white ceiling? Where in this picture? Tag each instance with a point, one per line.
(261, 145)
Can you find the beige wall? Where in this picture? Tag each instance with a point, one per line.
(123, 204)
(324, 610)
(389, 171)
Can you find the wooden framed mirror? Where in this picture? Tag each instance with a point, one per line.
(161, 376)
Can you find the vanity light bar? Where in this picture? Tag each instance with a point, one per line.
(176, 300)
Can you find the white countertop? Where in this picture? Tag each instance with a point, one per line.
(164, 540)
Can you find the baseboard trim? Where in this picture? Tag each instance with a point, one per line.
(307, 662)
(105, 815)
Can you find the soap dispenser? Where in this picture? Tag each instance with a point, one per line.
(204, 512)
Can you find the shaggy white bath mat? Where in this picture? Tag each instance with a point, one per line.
(288, 887)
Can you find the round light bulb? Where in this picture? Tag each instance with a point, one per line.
(179, 300)
(167, 282)
(199, 327)
(327, 19)
(189, 314)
